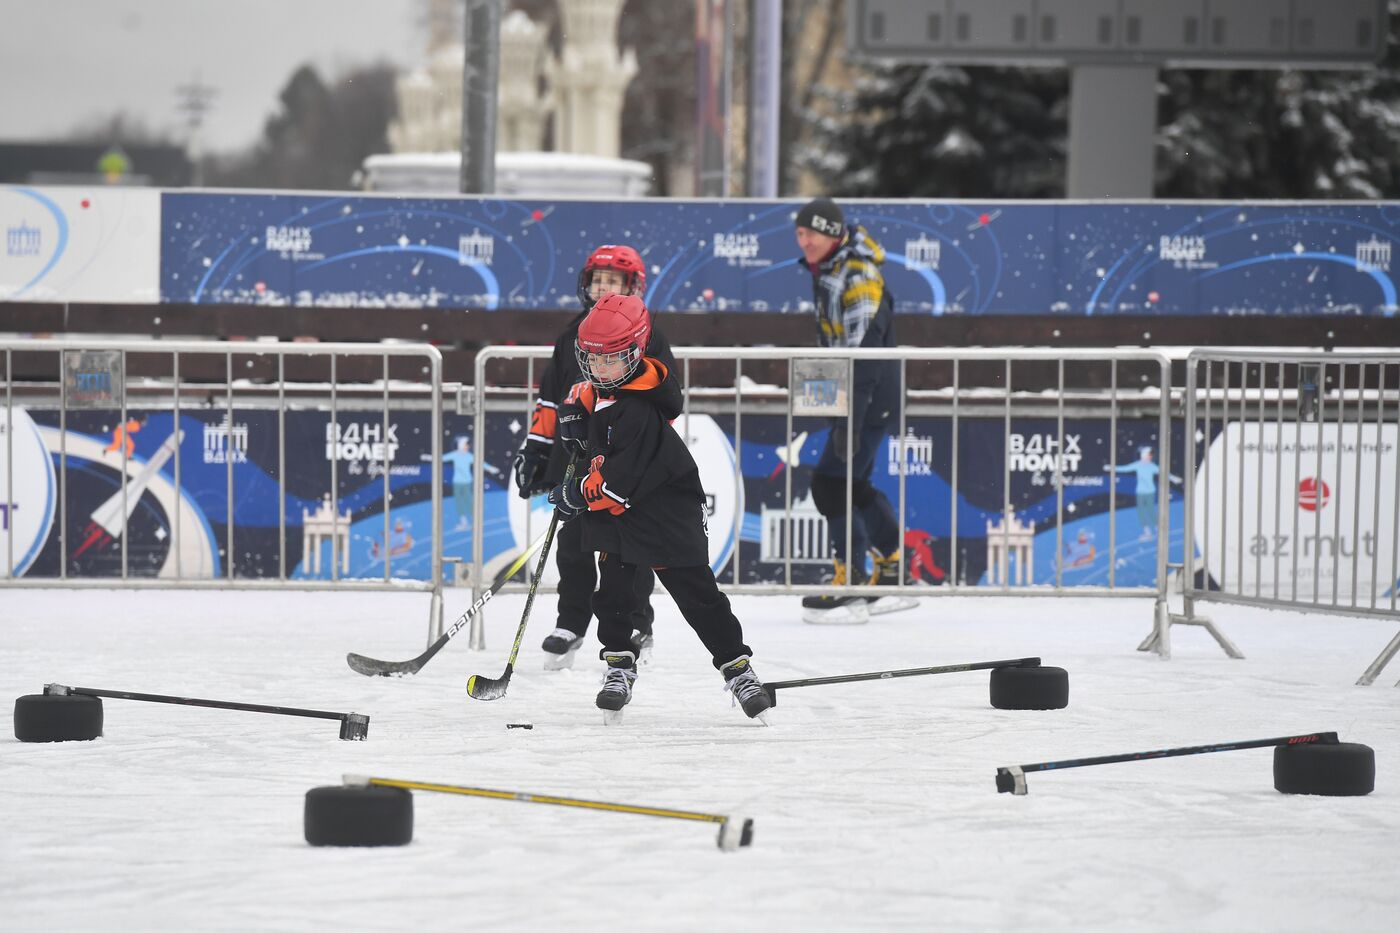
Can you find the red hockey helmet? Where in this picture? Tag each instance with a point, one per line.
(612, 340)
(623, 259)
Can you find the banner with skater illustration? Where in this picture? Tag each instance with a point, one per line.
(123, 495)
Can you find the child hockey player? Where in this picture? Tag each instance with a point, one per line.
(640, 503)
(539, 466)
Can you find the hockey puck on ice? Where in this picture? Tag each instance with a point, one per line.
(43, 717)
(520, 725)
(1030, 688)
(358, 816)
(1336, 769)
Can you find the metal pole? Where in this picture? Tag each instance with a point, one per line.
(738, 464)
(1356, 483)
(529, 419)
(1240, 543)
(1337, 486)
(477, 636)
(1259, 487)
(1376, 493)
(1395, 515)
(387, 461)
(62, 464)
(903, 450)
(228, 461)
(1297, 477)
(125, 442)
(1188, 544)
(9, 462)
(335, 483)
(1059, 472)
(282, 469)
(1164, 489)
(1318, 484)
(1278, 471)
(175, 374)
(850, 475)
(787, 484)
(1005, 560)
(1225, 478)
(435, 367)
(480, 72)
(1113, 470)
(1209, 474)
(765, 95)
(953, 492)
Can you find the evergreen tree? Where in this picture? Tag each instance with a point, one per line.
(321, 134)
(941, 131)
(1282, 134)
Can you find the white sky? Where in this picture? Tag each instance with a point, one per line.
(874, 804)
(65, 61)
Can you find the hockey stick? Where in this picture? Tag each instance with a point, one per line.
(488, 688)
(1012, 780)
(734, 831)
(353, 726)
(373, 667)
(771, 688)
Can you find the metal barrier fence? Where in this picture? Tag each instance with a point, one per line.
(1294, 499)
(100, 378)
(959, 387)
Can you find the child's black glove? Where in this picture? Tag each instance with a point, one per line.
(573, 429)
(530, 466)
(567, 499)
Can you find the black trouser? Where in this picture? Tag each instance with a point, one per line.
(696, 595)
(873, 519)
(577, 578)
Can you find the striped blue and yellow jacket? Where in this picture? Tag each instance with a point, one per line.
(848, 290)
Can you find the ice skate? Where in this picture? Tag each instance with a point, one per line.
(560, 646)
(617, 685)
(743, 684)
(887, 574)
(837, 610)
(642, 643)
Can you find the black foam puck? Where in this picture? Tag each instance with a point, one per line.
(519, 725)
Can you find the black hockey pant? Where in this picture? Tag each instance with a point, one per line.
(696, 595)
(578, 575)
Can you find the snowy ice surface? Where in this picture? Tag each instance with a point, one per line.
(874, 803)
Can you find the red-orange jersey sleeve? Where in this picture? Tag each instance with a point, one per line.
(544, 421)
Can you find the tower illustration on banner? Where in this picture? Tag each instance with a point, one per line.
(324, 525)
(1373, 254)
(1006, 538)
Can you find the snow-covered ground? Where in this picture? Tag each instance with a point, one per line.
(874, 802)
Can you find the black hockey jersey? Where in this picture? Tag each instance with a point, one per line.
(642, 486)
(559, 378)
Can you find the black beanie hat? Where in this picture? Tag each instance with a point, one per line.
(823, 216)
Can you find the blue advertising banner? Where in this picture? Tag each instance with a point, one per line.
(182, 529)
(1043, 258)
